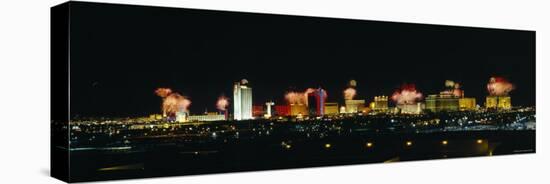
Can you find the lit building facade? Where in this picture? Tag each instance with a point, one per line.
(316, 102)
(206, 117)
(155, 117)
(331, 108)
(498, 102)
(504, 102)
(268, 113)
(320, 97)
(242, 101)
(442, 102)
(411, 108)
(298, 110)
(282, 110)
(354, 106)
(467, 104)
(491, 102)
(181, 116)
(258, 110)
(380, 104)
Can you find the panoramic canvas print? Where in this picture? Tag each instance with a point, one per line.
(142, 91)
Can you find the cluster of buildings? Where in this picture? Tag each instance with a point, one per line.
(448, 100)
(453, 99)
(498, 102)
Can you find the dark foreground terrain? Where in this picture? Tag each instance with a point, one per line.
(263, 153)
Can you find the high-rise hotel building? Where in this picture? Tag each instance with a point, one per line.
(242, 101)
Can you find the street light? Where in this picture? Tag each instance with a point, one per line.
(369, 144)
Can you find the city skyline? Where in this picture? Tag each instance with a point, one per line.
(167, 91)
(338, 98)
(277, 54)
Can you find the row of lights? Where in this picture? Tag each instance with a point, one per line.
(444, 142)
(370, 144)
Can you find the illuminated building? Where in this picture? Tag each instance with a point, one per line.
(311, 104)
(257, 110)
(442, 102)
(316, 102)
(242, 101)
(298, 110)
(331, 108)
(380, 104)
(268, 107)
(498, 102)
(225, 114)
(411, 108)
(467, 104)
(504, 102)
(282, 110)
(320, 97)
(213, 116)
(354, 106)
(342, 109)
(181, 116)
(491, 102)
(155, 117)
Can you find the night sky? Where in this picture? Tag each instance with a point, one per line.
(119, 55)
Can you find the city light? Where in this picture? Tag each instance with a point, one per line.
(201, 92)
(369, 144)
(307, 114)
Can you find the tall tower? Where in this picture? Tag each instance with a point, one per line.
(242, 101)
(320, 97)
(268, 105)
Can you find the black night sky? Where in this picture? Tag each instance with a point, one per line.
(120, 54)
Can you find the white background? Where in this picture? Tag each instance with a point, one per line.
(25, 94)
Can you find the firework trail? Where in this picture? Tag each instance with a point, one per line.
(222, 103)
(454, 88)
(172, 102)
(163, 92)
(293, 97)
(458, 92)
(499, 86)
(407, 94)
(349, 93)
(449, 83)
